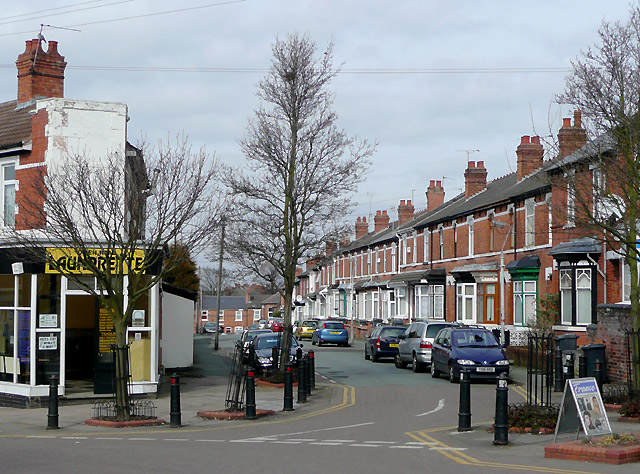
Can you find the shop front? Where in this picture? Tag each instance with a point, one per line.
(51, 325)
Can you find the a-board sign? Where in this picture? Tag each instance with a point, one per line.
(582, 407)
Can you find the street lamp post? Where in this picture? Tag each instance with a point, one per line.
(502, 225)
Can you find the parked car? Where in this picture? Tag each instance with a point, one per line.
(475, 349)
(414, 346)
(383, 342)
(210, 328)
(264, 344)
(306, 328)
(330, 332)
(262, 324)
(277, 325)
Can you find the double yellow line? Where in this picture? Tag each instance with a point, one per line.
(459, 457)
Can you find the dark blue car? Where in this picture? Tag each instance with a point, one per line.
(472, 348)
(383, 342)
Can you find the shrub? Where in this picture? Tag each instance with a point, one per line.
(533, 416)
(631, 407)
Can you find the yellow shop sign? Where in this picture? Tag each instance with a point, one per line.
(67, 260)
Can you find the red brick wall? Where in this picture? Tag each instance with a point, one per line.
(612, 321)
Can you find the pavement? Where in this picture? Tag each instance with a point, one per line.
(203, 388)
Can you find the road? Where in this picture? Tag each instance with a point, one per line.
(364, 417)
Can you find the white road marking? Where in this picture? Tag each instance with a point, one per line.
(422, 443)
(316, 431)
(358, 445)
(438, 408)
(246, 441)
(380, 442)
(42, 436)
(321, 443)
(286, 442)
(306, 440)
(175, 439)
(73, 437)
(141, 439)
(340, 440)
(110, 438)
(407, 447)
(211, 440)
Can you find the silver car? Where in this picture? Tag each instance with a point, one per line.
(414, 346)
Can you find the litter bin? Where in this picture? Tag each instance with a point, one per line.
(567, 342)
(595, 352)
(507, 335)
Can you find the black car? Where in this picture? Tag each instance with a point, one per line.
(474, 349)
(264, 344)
(383, 342)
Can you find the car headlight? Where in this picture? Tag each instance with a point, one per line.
(465, 362)
(502, 362)
(264, 360)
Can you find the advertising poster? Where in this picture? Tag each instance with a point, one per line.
(589, 405)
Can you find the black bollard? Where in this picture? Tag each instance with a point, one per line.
(307, 380)
(312, 369)
(302, 376)
(52, 417)
(464, 412)
(558, 385)
(251, 395)
(597, 373)
(175, 413)
(582, 366)
(275, 353)
(288, 389)
(501, 425)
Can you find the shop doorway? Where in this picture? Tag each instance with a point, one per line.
(80, 342)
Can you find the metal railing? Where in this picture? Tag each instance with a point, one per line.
(234, 399)
(633, 360)
(539, 369)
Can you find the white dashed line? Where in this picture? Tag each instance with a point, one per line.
(42, 436)
(380, 442)
(448, 449)
(246, 441)
(407, 447)
(175, 439)
(211, 441)
(340, 440)
(357, 445)
(110, 438)
(286, 442)
(141, 439)
(326, 444)
(73, 437)
(422, 443)
(303, 440)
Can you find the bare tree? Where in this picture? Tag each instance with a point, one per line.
(114, 217)
(300, 173)
(605, 86)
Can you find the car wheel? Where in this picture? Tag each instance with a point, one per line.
(417, 366)
(319, 343)
(452, 375)
(366, 354)
(313, 342)
(399, 362)
(435, 373)
(375, 357)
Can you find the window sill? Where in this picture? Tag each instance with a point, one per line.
(570, 328)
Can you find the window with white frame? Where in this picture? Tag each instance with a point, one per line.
(238, 315)
(455, 239)
(8, 182)
(425, 253)
(392, 303)
(368, 305)
(626, 282)
(524, 302)
(429, 301)
(376, 305)
(401, 302)
(529, 222)
(575, 283)
(393, 257)
(466, 302)
(571, 197)
(441, 239)
(471, 236)
(256, 314)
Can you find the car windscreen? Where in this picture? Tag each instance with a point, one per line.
(272, 341)
(333, 326)
(434, 329)
(309, 324)
(392, 332)
(474, 338)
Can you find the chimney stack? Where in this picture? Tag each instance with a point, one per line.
(475, 179)
(435, 195)
(40, 73)
(405, 212)
(380, 221)
(529, 153)
(571, 138)
(362, 227)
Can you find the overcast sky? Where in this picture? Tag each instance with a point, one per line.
(427, 79)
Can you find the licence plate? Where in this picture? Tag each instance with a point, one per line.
(334, 332)
(485, 369)
(393, 345)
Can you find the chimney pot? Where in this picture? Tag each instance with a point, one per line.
(566, 123)
(524, 139)
(535, 139)
(577, 118)
(571, 139)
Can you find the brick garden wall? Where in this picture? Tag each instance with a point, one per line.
(613, 319)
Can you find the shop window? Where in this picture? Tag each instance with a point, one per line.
(465, 302)
(429, 301)
(7, 289)
(524, 302)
